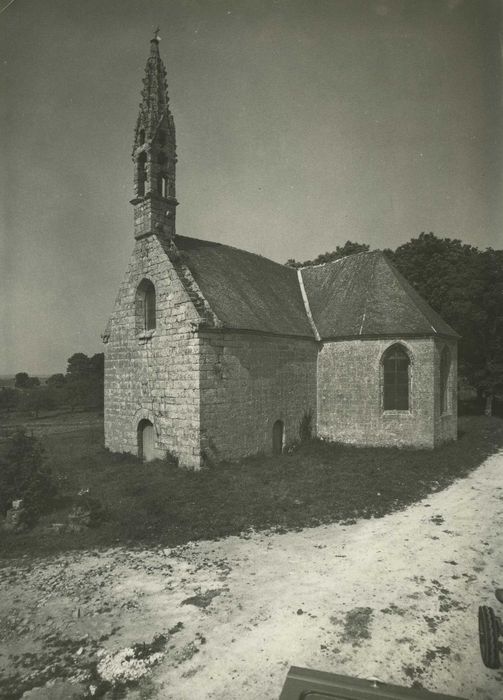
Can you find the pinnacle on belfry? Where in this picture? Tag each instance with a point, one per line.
(155, 102)
(154, 153)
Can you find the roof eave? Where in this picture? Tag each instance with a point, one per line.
(388, 336)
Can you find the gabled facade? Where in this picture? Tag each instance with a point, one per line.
(215, 353)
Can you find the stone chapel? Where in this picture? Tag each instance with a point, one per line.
(212, 352)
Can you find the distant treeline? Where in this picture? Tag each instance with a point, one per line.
(465, 286)
(80, 387)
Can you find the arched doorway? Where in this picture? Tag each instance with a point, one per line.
(278, 431)
(146, 440)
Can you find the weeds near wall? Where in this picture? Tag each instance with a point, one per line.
(306, 426)
(171, 458)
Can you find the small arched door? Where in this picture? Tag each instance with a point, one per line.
(277, 437)
(146, 440)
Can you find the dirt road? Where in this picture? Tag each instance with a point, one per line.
(394, 598)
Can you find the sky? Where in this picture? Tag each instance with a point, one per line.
(301, 124)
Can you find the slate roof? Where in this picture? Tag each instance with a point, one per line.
(360, 295)
(244, 290)
(363, 295)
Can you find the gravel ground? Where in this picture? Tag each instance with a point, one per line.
(394, 598)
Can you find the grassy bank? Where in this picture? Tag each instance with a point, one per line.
(157, 503)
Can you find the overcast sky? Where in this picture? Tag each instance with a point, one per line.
(300, 124)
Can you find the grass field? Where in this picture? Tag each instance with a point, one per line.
(162, 504)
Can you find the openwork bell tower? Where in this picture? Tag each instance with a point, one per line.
(154, 154)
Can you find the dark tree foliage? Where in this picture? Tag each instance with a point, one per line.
(38, 399)
(465, 286)
(84, 381)
(9, 398)
(22, 380)
(349, 248)
(80, 387)
(77, 393)
(24, 474)
(56, 380)
(78, 366)
(97, 365)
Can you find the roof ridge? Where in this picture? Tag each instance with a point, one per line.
(370, 280)
(344, 257)
(241, 250)
(307, 306)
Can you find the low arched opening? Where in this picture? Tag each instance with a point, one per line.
(146, 451)
(278, 437)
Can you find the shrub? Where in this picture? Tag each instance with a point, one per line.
(23, 474)
(94, 511)
(171, 458)
(306, 426)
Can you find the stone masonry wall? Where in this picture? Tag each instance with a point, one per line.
(153, 375)
(350, 395)
(249, 381)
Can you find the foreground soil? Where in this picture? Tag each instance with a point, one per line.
(394, 598)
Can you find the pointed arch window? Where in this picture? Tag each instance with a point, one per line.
(396, 375)
(145, 306)
(445, 368)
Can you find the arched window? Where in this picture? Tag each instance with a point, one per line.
(142, 136)
(396, 365)
(145, 306)
(445, 368)
(141, 174)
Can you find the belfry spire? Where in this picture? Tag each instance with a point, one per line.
(154, 153)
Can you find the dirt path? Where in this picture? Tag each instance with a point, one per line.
(394, 598)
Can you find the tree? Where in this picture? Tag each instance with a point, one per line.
(77, 393)
(38, 399)
(24, 381)
(8, 398)
(97, 365)
(21, 380)
(465, 286)
(349, 248)
(484, 366)
(78, 366)
(56, 380)
(84, 381)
